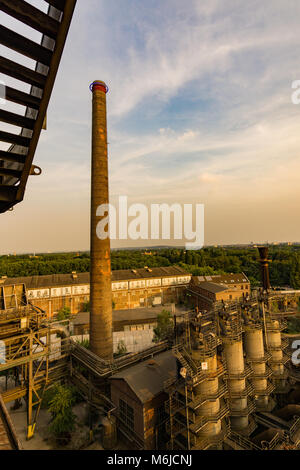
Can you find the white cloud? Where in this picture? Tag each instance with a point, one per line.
(238, 145)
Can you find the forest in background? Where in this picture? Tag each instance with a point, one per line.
(284, 265)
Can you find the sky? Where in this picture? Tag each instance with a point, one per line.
(199, 111)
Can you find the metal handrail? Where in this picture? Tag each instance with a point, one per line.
(212, 417)
(265, 358)
(248, 390)
(239, 375)
(283, 360)
(267, 391)
(262, 375)
(204, 397)
(295, 426)
(213, 440)
(243, 442)
(284, 344)
(250, 408)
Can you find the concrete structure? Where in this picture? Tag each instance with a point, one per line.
(232, 365)
(237, 372)
(197, 410)
(258, 358)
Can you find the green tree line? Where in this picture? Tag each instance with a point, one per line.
(284, 265)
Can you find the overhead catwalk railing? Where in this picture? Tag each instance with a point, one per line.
(16, 163)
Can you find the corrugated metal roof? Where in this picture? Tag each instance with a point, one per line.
(146, 380)
(56, 280)
(231, 278)
(144, 273)
(212, 287)
(134, 314)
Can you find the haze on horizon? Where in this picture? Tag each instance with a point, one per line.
(199, 110)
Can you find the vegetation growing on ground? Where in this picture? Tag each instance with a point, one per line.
(164, 326)
(63, 314)
(85, 343)
(293, 325)
(63, 419)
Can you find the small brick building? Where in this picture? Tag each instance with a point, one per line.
(138, 393)
(205, 290)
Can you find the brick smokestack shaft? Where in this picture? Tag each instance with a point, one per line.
(101, 341)
(264, 262)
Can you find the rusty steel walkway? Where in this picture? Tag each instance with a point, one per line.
(8, 437)
(16, 162)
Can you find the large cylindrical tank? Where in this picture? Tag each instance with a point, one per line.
(234, 357)
(236, 385)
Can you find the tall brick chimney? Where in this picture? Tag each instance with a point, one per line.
(101, 341)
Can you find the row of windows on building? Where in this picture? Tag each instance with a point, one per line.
(81, 290)
(140, 327)
(127, 415)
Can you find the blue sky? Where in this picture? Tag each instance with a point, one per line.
(199, 110)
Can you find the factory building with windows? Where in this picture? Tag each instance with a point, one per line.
(130, 288)
(205, 290)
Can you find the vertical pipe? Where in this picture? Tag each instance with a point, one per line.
(187, 418)
(263, 252)
(101, 342)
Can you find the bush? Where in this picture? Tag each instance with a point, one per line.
(63, 418)
(164, 326)
(85, 343)
(63, 314)
(293, 326)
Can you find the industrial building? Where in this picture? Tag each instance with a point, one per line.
(222, 380)
(138, 393)
(130, 288)
(204, 291)
(137, 319)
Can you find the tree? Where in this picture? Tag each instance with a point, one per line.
(164, 326)
(63, 418)
(295, 272)
(293, 325)
(63, 314)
